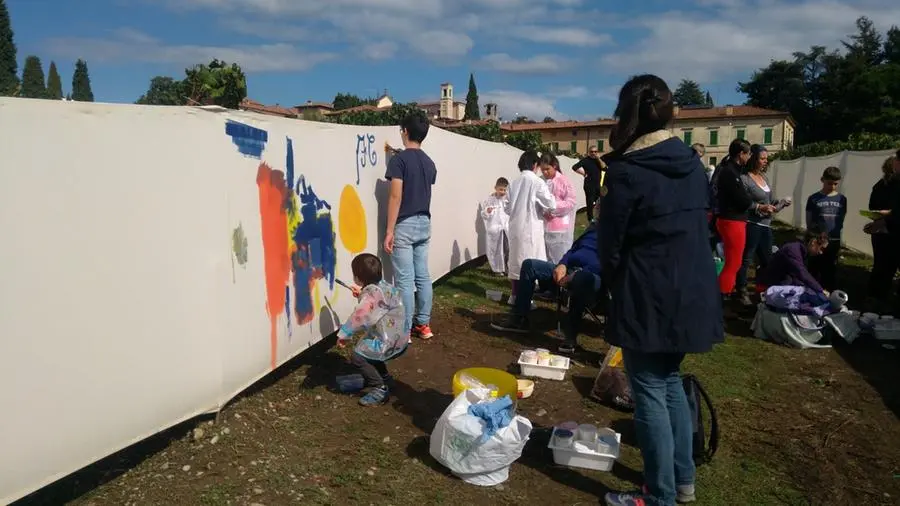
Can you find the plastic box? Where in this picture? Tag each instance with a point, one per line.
(586, 460)
(544, 371)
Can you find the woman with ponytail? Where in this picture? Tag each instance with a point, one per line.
(655, 262)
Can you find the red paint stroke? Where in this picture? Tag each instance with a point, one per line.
(273, 194)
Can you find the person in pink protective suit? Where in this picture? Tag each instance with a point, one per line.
(379, 316)
(559, 223)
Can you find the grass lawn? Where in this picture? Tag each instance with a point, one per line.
(798, 427)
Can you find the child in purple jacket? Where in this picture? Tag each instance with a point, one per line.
(788, 265)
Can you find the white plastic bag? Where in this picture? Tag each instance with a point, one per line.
(456, 442)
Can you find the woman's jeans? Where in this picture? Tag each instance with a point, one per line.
(662, 421)
(412, 237)
(758, 245)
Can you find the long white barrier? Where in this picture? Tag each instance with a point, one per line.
(159, 260)
(802, 177)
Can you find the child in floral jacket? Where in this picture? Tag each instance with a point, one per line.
(379, 315)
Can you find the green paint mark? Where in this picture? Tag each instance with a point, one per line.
(239, 245)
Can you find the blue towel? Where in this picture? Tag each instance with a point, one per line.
(496, 415)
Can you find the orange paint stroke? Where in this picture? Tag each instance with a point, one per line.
(276, 252)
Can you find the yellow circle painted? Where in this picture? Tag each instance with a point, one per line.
(352, 221)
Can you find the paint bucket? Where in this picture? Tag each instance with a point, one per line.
(563, 438)
(350, 383)
(494, 295)
(587, 433)
(570, 426)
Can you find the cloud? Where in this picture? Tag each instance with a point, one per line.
(571, 91)
(730, 38)
(442, 31)
(512, 103)
(564, 35)
(127, 45)
(538, 64)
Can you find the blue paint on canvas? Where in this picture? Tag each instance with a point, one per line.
(250, 141)
(315, 256)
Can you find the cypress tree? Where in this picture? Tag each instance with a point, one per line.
(33, 79)
(472, 111)
(54, 83)
(9, 68)
(81, 83)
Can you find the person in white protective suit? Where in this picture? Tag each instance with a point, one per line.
(529, 199)
(496, 223)
(559, 224)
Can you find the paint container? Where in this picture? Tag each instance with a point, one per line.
(543, 356)
(563, 438)
(571, 426)
(350, 383)
(587, 433)
(494, 295)
(557, 361)
(838, 299)
(529, 357)
(606, 441)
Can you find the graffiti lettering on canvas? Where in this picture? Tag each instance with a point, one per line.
(365, 153)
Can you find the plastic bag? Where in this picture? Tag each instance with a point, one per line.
(456, 442)
(611, 386)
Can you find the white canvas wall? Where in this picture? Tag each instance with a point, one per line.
(125, 309)
(802, 177)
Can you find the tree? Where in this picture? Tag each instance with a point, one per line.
(81, 83)
(833, 94)
(164, 90)
(33, 79)
(215, 84)
(388, 117)
(709, 100)
(9, 67)
(688, 93)
(525, 140)
(523, 119)
(54, 83)
(472, 109)
(347, 100)
(548, 119)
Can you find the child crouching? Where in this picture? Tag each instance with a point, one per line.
(379, 315)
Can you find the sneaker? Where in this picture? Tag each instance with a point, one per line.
(512, 323)
(625, 499)
(683, 493)
(422, 331)
(376, 397)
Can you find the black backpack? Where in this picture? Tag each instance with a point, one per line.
(697, 397)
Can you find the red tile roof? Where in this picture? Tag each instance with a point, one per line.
(274, 110)
(518, 127)
(729, 111)
(314, 105)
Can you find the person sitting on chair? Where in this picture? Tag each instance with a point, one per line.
(578, 271)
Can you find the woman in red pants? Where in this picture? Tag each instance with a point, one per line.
(731, 202)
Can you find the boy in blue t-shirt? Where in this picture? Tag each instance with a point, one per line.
(826, 210)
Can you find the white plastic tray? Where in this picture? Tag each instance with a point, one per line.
(586, 460)
(544, 371)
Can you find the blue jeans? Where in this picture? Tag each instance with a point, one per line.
(662, 421)
(412, 237)
(759, 245)
(583, 289)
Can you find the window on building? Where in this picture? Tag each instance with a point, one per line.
(554, 146)
(688, 137)
(741, 133)
(767, 136)
(573, 146)
(713, 137)
(600, 145)
(713, 161)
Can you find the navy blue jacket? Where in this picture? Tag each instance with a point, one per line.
(583, 254)
(655, 259)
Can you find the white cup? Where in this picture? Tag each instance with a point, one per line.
(587, 433)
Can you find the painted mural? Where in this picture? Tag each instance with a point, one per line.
(298, 231)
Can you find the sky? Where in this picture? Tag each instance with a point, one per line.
(561, 58)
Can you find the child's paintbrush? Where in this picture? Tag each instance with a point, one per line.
(345, 285)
